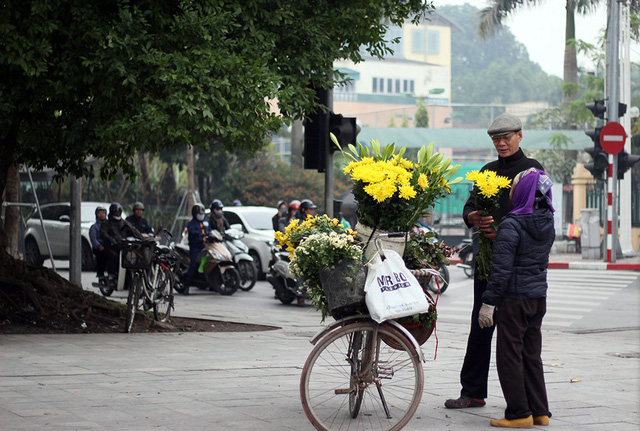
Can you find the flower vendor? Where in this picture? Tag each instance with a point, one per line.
(506, 134)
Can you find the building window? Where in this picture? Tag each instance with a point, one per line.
(389, 85)
(374, 86)
(405, 86)
(381, 82)
(411, 87)
(433, 42)
(417, 40)
(398, 86)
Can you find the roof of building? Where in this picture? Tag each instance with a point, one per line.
(467, 138)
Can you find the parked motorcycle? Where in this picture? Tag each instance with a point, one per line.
(443, 281)
(243, 260)
(468, 257)
(219, 272)
(279, 276)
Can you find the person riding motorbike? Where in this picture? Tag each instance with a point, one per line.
(294, 207)
(198, 230)
(307, 208)
(96, 242)
(112, 231)
(282, 211)
(216, 218)
(138, 221)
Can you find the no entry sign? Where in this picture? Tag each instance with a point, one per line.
(612, 137)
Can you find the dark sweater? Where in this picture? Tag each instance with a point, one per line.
(507, 167)
(520, 257)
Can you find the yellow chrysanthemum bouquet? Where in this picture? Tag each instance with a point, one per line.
(392, 192)
(486, 193)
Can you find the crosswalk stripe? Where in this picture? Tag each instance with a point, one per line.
(555, 307)
(554, 300)
(564, 316)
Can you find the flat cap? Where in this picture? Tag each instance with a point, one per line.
(504, 123)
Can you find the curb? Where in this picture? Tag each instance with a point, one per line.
(600, 266)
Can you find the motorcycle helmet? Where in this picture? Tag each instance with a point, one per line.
(138, 206)
(216, 205)
(115, 210)
(307, 204)
(280, 203)
(294, 205)
(100, 208)
(197, 209)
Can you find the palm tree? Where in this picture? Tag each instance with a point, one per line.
(491, 19)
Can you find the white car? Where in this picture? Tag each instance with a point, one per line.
(256, 224)
(56, 219)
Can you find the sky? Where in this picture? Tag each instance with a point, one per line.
(541, 30)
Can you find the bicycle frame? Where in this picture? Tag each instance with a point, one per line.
(351, 319)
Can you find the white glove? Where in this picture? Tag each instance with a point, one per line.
(485, 317)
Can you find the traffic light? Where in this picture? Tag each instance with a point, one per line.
(316, 134)
(600, 163)
(626, 162)
(597, 108)
(345, 129)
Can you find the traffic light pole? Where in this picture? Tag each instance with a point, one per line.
(613, 97)
(328, 173)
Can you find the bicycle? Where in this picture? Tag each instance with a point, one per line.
(152, 279)
(362, 375)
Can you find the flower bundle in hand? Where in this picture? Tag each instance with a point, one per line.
(486, 194)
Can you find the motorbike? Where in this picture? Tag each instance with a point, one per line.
(442, 281)
(468, 257)
(280, 277)
(217, 270)
(107, 286)
(243, 260)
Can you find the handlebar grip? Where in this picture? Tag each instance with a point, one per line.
(396, 235)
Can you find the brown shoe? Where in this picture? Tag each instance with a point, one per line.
(541, 420)
(513, 423)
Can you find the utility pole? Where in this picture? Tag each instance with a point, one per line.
(191, 179)
(625, 97)
(613, 98)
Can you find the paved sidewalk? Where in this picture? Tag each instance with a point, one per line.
(250, 381)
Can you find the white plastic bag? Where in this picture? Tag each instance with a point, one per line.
(391, 291)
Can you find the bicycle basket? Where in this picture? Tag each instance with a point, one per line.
(343, 285)
(138, 255)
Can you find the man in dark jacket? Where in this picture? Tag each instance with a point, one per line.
(506, 134)
(518, 284)
(96, 241)
(112, 231)
(139, 222)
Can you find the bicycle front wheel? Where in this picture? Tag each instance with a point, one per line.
(163, 295)
(353, 380)
(135, 289)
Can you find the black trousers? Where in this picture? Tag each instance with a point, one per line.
(101, 261)
(518, 350)
(475, 368)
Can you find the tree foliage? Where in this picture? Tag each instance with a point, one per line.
(422, 115)
(109, 78)
(496, 70)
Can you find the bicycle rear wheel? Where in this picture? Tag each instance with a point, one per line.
(352, 380)
(163, 299)
(135, 289)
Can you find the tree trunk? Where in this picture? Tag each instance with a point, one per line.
(11, 214)
(570, 59)
(8, 144)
